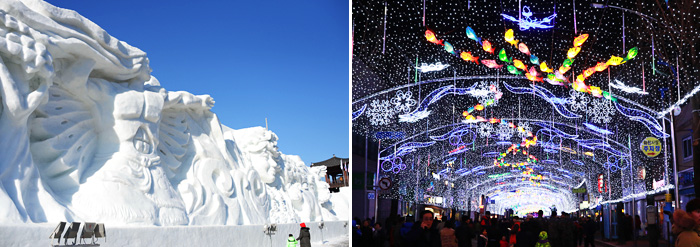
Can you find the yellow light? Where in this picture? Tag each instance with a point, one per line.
(573, 52)
(544, 68)
(614, 61)
(519, 64)
(595, 91)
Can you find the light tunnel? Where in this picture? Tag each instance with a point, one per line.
(444, 155)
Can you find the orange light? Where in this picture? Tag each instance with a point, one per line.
(487, 46)
(430, 36)
(467, 56)
(532, 78)
(578, 41)
(563, 70)
(479, 107)
(600, 67)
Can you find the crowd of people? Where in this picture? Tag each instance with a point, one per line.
(555, 231)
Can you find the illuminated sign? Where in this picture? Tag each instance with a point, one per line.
(601, 183)
(650, 146)
(641, 173)
(579, 190)
(659, 184)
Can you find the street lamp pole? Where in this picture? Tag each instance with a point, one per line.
(602, 6)
(644, 16)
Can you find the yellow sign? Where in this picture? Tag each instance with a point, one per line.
(668, 197)
(650, 146)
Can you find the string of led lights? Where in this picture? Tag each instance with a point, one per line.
(445, 153)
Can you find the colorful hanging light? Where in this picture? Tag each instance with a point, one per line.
(449, 48)
(467, 56)
(632, 53)
(519, 64)
(430, 36)
(573, 52)
(533, 71)
(513, 70)
(532, 77)
(568, 62)
(578, 41)
(487, 46)
(523, 48)
(491, 64)
(544, 68)
(472, 35)
(510, 38)
(503, 57)
(615, 60)
(601, 67)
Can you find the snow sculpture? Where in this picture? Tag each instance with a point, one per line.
(89, 135)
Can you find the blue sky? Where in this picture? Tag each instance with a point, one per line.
(282, 60)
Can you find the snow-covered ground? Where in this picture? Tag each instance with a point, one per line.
(334, 233)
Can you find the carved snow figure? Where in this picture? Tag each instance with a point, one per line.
(89, 135)
(261, 145)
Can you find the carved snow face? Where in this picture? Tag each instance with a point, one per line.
(266, 166)
(261, 144)
(136, 118)
(136, 121)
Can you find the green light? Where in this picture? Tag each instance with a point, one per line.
(632, 53)
(568, 62)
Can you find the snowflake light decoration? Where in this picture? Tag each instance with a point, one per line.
(504, 132)
(380, 112)
(578, 101)
(525, 129)
(486, 91)
(403, 101)
(601, 111)
(485, 129)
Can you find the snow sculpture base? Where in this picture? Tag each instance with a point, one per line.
(30, 235)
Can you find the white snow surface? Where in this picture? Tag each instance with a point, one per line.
(89, 135)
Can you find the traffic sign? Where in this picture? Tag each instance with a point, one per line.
(385, 183)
